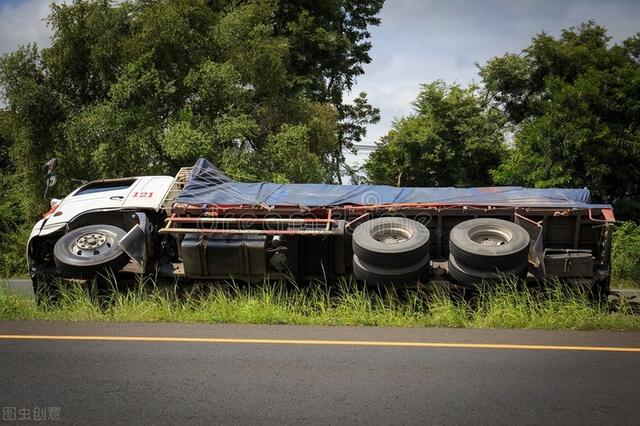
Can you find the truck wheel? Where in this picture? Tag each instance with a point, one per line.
(391, 241)
(471, 276)
(89, 249)
(489, 244)
(377, 274)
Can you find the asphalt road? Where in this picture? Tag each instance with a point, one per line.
(18, 286)
(234, 374)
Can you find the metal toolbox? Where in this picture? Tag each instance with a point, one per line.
(568, 263)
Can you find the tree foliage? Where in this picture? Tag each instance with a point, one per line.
(139, 87)
(571, 105)
(143, 87)
(575, 101)
(625, 256)
(452, 138)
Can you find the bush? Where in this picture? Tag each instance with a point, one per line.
(626, 255)
(14, 229)
(13, 248)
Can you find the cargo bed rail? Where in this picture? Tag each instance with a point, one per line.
(176, 187)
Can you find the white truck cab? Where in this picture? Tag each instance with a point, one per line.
(86, 230)
(143, 192)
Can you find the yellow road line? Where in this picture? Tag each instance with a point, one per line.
(373, 343)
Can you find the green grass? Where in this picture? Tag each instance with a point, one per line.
(625, 256)
(622, 283)
(506, 306)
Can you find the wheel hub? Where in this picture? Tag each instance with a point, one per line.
(91, 241)
(490, 238)
(391, 236)
(488, 241)
(92, 244)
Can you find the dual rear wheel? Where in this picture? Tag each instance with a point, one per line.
(485, 250)
(394, 250)
(391, 250)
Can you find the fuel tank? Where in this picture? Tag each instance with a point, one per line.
(222, 257)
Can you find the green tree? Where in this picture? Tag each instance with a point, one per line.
(5, 142)
(352, 129)
(574, 101)
(452, 138)
(140, 87)
(13, 231)
(335, 33)
(146, 86)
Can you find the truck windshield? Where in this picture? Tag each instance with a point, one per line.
(93, 187)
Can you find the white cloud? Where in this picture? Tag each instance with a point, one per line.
(622, 20)
(422, 41)
(22, 22)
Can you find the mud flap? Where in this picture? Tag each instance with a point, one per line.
(134, 245)
(536, 248)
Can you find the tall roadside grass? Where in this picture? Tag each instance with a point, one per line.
(625, 256)
(505, 306)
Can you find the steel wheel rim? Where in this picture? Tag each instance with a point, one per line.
(391, 235)
(92, 244)
(494, 237)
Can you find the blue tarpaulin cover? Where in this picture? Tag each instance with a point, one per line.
(207, 185)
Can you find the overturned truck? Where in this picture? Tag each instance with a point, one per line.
(201, 224)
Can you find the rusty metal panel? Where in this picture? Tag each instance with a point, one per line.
(536, 249)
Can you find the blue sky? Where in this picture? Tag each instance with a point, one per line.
(419, 41)
(422, 41)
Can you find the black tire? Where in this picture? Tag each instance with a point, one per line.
(376, 274)
(467, 275)
(489, 244)
(391, 241)
(90, 249)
